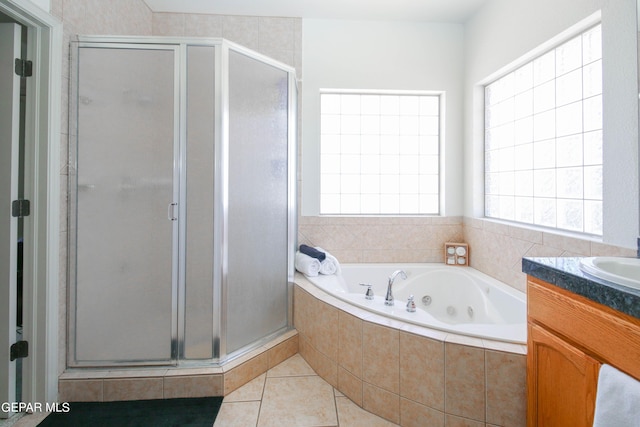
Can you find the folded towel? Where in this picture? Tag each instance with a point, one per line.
(617, 399)
(307, 265)
(330, 265)
(313, 252)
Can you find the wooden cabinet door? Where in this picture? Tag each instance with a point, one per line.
(561, 382)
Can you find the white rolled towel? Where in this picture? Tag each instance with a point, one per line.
(330, 265)
(307, 265)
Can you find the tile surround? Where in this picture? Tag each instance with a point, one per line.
(411, 374)
(80, 385)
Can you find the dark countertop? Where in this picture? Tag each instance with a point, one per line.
(566, 274)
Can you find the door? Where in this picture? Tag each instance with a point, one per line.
(562, 381)
(10, 45)
(126, 274)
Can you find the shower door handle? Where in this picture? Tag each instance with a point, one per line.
(171, 211)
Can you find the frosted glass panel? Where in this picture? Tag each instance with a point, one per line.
(125, 157)
(198, 332)
(257, 207)
(550, 112)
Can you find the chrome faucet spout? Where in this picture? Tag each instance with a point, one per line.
(388, 300)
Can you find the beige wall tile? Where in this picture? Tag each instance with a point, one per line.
(202, 25)
(321, 364)
(381, 239)
(351, 415)
(132, 389)
(276, 31)
(193, 386)
(302, 310)
(325, 329)
(350, 343)
(244, 373)
(244, 30)
(80, 391)
(506, 388)
(381, 357)
(602, 249)
(282, 351)
(422, 370)
(453, 421)
(464, 381)
(350, 385)
(168, 24)
(567, 244)
(381, 402)
(250, 391)
(413, 414)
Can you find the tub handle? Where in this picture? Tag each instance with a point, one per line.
(369, 293)
(411, 305)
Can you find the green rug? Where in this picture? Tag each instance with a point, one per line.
(194, 412)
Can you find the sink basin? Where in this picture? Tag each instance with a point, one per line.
(623, 271)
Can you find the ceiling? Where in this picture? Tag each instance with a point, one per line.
(383, 10)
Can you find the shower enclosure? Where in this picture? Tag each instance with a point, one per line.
(182, 201)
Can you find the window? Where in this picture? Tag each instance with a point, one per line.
(543, 139)
(379, 153)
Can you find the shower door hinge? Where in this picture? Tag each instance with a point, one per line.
(24, 68)
(20, 208)
(19, 350)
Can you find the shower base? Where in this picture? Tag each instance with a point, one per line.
(103, 385)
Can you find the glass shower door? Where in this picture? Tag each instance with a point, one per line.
(257, 273)
(126, 279)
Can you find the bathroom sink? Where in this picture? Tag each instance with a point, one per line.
(623, 271)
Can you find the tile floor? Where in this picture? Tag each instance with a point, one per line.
(289, 394)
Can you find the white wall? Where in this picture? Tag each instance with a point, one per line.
(502, 32)
(385, 56)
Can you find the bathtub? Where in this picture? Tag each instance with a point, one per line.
(453, 299)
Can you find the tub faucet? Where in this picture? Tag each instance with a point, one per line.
(388, 300)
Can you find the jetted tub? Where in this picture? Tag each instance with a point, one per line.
(454, 299)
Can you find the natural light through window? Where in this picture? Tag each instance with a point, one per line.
(543, 139)
(379, 153)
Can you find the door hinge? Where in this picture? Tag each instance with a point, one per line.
(24, 68)
(20, 208)
(19, 350)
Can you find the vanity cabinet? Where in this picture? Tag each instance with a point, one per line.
(569, 338)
